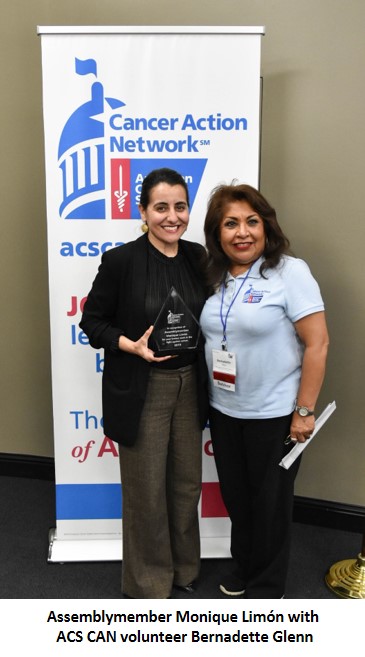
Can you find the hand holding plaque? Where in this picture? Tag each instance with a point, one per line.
(176, 329)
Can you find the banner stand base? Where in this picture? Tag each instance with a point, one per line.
(63, 550)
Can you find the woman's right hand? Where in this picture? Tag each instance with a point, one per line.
(140, 347)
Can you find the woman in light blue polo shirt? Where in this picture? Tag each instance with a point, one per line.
(266, 348)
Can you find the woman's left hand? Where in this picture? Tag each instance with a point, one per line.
(301, 428)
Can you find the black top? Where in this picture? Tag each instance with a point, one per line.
(164, 272)
(116, 305)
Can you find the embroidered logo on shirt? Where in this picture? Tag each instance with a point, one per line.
(253, 296)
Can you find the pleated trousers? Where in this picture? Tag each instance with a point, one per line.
(161, 484)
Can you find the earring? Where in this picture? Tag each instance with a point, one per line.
(144, 227)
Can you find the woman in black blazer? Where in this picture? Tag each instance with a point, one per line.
(155, 407)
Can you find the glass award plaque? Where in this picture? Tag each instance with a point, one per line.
(176, 329)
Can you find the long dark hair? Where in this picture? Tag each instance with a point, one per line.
(157, 176)
(276, 242)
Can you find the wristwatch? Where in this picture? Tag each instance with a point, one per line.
(303, 411)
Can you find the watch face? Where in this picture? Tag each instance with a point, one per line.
(303, 412)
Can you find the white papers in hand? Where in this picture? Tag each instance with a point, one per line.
(287, 461)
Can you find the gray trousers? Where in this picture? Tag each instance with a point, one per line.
(161, 485)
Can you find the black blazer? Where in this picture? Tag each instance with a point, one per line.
(115, 306)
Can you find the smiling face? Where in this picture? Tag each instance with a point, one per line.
(242, 236)
(167, 216)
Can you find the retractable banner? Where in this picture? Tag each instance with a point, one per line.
(119, 102)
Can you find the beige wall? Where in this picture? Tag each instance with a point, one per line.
(312, 171)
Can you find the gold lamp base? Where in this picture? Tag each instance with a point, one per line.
(347, 578)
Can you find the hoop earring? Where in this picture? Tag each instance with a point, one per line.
(144, 227)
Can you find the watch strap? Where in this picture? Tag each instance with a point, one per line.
(307, 412)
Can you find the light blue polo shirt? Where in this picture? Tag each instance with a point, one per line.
(261, 333)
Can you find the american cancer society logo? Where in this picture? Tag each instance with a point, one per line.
(101, 173)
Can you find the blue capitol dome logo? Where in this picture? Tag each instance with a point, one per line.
(95, 185)
(81, 152)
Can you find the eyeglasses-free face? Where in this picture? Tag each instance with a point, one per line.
(242, 236)
(167, 216)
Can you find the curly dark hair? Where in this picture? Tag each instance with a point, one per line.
(276, 244)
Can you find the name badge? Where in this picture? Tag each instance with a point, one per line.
(224, 370)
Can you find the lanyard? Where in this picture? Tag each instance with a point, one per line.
(224, 319)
